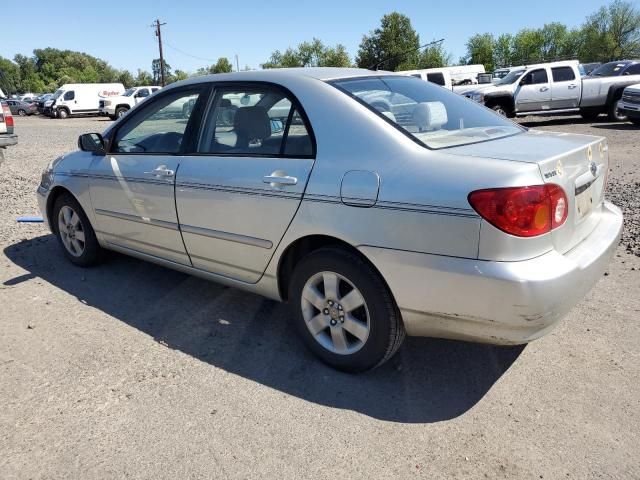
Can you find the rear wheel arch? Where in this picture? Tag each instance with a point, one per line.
(302, 247)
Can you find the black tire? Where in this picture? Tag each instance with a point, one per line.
(500, 110)
(120, 111)
(589, 115)
(63, 113)
(92, 252)
(386, 330)
(614, 114)
(113, 117)
(22, 112)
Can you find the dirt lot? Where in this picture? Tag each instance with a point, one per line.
(129, 370)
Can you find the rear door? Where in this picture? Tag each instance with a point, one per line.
(565, 88)
(534, 91)
(132, 186)
(238, 194)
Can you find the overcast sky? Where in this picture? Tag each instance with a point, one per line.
(120, 33)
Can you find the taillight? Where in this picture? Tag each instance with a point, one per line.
(8, 118)
(522, 211)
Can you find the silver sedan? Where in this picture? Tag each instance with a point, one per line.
(375, 204)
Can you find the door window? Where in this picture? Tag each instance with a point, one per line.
(70, 95)
(633, 69)
(158, 128)
(143, 92)
(535, 77)
(563, 74)
(260, 121)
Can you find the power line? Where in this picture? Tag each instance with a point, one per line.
(188, 54)
(392, 57)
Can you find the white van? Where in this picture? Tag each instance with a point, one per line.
(80, 98)
(439, 76)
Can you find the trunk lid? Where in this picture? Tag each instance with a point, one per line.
(578, 163)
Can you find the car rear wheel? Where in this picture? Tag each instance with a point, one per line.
(74, 232)
(500, 110)
(22, 113)
(343, 310)
(615, 115)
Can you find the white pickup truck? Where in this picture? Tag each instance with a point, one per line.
(557, 87)
(116, 107)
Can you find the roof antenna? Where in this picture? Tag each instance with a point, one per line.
(376, 65)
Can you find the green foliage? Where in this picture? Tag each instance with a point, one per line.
(310, 54)
(394, 42)
(223, 65)
(480, 50)
(434, 56)
(9, 76)
(612, 33)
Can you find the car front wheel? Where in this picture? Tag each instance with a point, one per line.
(343, 310)
(74, 232)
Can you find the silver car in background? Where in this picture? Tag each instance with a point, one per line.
(375, 204)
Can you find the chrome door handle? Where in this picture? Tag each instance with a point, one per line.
(162, 171)
(280, 180)
(572, 86)
(544, 89)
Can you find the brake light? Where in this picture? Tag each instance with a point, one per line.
(8, 118)
(522, 211)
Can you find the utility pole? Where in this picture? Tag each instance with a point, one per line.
(237, 64)
(157, 25)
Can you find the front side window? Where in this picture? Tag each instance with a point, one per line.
(70, 95)
(563, 74)
(129, 92)
(158, 128)
(433, 116)
(632, 69)
(143, 92)
(510, 78)
(536, 77)
(256, 121)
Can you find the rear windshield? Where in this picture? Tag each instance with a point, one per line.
(429, 114)
(611, 69)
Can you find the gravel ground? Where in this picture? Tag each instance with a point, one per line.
(129, 370)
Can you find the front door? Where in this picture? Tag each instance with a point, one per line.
(238, 195)
(132, 187)
(534, 92)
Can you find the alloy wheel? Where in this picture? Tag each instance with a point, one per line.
(335, 312)
(71, 231)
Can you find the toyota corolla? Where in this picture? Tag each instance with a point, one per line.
(375, 204)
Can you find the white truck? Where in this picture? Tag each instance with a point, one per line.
(116, 107)
(557, 87)
(630, 103)
(80, 98)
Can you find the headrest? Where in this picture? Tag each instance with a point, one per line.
(225, 102)
(430, 115)
(252, 123)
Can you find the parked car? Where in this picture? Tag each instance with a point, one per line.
(630, 103)
(116, 107)
(21, 108)
(617, 69)
(556, 87)
(80, 99)
(41, 100)
(7, 137)
(587, 68)
(436, 218)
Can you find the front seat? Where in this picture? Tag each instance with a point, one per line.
(251, 125)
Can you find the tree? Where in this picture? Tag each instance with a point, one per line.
(223, 65)
(310, 54)
(480, 50)
(9, 76)
(503, 50)
(125, 78)
(612, 33)
(527, 47)
(178, 75)
(434, 56)
(394, 42)
(144, 78)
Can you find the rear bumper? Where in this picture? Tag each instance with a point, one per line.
(496, 302)
(8, 139)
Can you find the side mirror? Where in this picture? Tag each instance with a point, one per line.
(523, 82)
(92, 142)
(277, 126)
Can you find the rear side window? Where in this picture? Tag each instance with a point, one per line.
(633, 69)
(563, 74)
(437, 78)
(255, 121)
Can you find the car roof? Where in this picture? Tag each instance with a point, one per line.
(320, 73)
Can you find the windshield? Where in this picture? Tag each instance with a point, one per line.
(431, 115)
(510, 78)
(608, 70)
(129, 92)
(57, 94)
